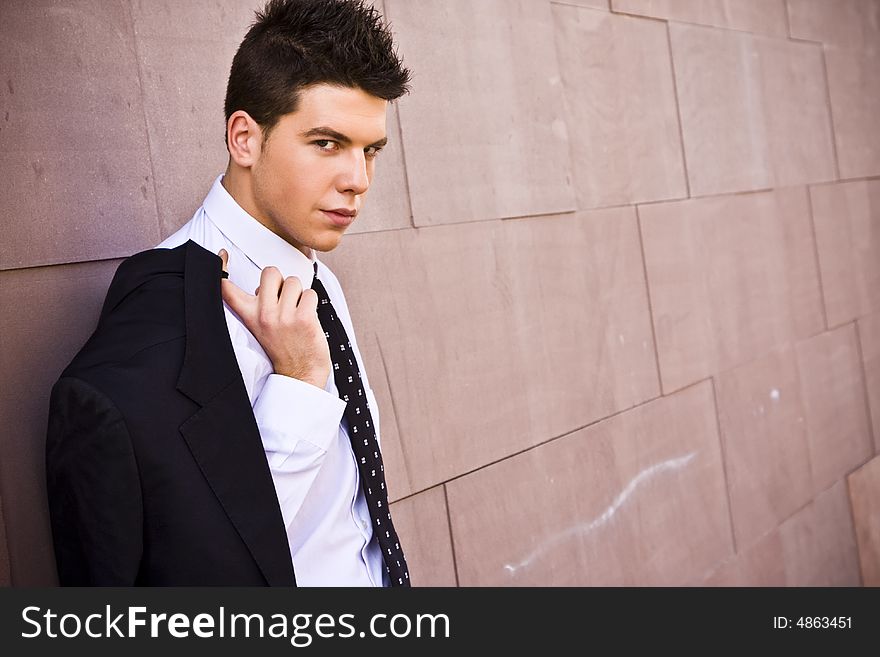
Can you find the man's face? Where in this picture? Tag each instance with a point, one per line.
(315, 160)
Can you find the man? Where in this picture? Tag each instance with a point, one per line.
(193, 442)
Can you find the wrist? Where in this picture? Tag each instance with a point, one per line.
(316, 380)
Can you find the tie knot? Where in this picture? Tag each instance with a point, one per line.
(317, 286)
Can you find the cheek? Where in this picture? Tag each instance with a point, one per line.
(313, 183)
(300, 191)
(296, 182)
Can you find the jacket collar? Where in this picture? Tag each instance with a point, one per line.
(209, 365)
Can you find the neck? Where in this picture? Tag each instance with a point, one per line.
(238, 184)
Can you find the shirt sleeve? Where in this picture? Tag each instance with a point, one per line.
(298, 423)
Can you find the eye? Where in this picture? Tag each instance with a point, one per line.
(323, 144)
(372, 151)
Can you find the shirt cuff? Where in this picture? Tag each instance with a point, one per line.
(289, 410)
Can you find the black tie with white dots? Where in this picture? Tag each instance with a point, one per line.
(363, 435)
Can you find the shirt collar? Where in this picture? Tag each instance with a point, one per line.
(262, 247)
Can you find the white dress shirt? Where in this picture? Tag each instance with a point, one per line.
(306, 442)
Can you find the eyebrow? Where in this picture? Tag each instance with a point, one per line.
(324, 131)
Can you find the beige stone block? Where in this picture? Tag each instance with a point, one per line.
(620, 102)
(396, 467)
(730, 278)
(211, 20)
(759, 16)
(499, 335)
(847, 23)
(819, 544)
(595, 4)
(833, 393)
(422, 523)
(484, 129)
(73, 148)
(72, 206)
(764, 434)
(184, 86)
(854, 87)
(492, 346)
(846, 217)
(69, 77)
(869, 337)
(754, 110)
(56, 309)
(814, 547)
(637, 499)
(864, 495)
(759, 564)
(184, 83)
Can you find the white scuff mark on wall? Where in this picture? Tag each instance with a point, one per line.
(774, 394)
(585, 528)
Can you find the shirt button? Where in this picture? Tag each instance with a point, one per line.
(365, 523)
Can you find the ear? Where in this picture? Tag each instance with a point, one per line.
(244, 139)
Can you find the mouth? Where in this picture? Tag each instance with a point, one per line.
(341, 216)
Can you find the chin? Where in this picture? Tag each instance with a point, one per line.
(327, 244)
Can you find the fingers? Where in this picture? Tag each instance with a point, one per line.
(289, 298)
(308, 302)
(271, 281)
(281, 298)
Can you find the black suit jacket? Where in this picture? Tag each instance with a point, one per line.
(155, 468)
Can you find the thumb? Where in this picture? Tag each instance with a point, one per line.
(224, 258)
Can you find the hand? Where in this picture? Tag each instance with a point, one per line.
(284, 319)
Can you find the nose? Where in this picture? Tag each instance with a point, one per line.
(355, 178)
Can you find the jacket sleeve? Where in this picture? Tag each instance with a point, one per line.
(94, 489)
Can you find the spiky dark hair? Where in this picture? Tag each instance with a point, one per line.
(297, 43)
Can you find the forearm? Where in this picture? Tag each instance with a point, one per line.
(298, 423)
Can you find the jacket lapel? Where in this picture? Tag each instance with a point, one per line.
(223, 435)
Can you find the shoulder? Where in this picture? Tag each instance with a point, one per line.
(144, 307)
(146, 284)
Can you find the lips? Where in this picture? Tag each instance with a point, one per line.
(340, 216)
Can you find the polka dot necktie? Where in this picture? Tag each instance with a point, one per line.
(363, 435)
